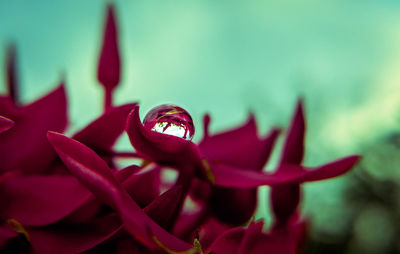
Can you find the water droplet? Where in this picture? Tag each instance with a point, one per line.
(171, 120)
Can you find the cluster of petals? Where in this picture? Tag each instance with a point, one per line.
(62, 194)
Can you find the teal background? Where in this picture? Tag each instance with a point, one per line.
(228, 58)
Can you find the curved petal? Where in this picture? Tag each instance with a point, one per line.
(109, 127)
(6, 234)
(252, 231)
(210, 230)
(143, 187)
(228, 176)
(5, 124)
(94, 173)
(156, 145)
(73, 238)
(41, 200)
(164, 209)
(228, 242)
(239, 147)
(25, 146)
(330, 170)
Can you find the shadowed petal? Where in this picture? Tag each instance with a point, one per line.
(40, 200)
(73, 238)
(210, 230)
(143, 187)
(94, 173)
(228, 242)
(163, 209)
(240, 147)
(8, 108)
(5, 124)
(285, 199)
(250, 236)
(241, 200)
(253, 241)
(6, 234)
(25, 145)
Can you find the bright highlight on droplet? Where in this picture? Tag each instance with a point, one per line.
(171, 120)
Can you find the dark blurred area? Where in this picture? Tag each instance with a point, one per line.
(373, 200)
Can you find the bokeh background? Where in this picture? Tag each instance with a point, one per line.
(229, 58)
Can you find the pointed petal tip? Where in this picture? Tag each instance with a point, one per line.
(251, 116)
(110, 10)
(5, 124)
(354, 159)
(134, 114)
(53, 134)
(54, 137)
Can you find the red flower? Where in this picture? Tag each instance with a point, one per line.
(83, 202)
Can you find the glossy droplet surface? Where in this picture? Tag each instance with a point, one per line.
(171, 120)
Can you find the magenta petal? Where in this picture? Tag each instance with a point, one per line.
(164, 209)
(284, 241)
(108, 72)
(210, 230)
(293, 149)
(126, 172)
(240, 147)
(5, 124)
(6, 234)
(109, 127)
(330, 170)
(253, 241)
(94, 173)
(73, 238)
(158, 146)
(250, 236)
(25, 145)
(227, 176)
(40, 200)
(143, 187)
(82, 161)
(228, 242)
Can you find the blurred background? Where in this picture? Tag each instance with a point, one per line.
(229, 58)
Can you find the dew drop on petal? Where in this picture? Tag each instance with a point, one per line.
(171, 120)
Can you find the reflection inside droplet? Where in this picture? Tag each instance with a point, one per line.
(171, 120)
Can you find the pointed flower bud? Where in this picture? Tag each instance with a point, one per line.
(108, 70)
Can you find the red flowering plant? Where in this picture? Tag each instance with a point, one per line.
(67, 195)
